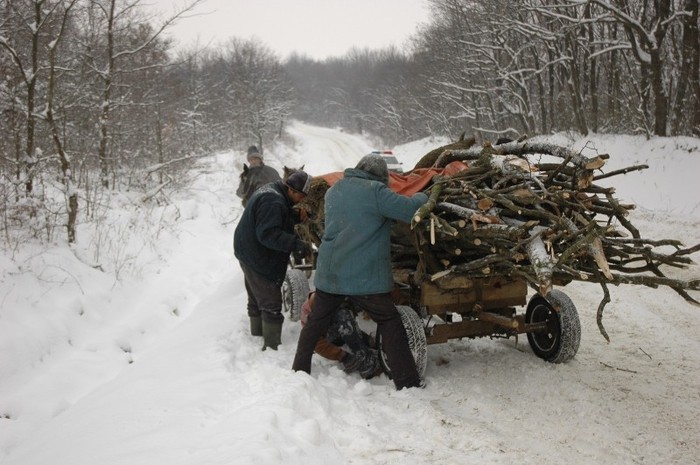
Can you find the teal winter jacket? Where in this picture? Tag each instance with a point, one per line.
(354, 257)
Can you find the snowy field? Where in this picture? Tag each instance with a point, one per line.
(157, 367)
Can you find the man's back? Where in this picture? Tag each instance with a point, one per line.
(354, 256)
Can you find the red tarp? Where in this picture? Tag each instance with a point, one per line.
(409, 183)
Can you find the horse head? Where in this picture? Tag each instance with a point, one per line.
(288, 171)
(252, 177)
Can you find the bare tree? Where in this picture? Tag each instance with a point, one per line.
(65, 162)
(29, 22)
(111, 18)
(527, 66)
(45, 82)
(33, 49)
(256, 91)
(647, 24)
(687, 98)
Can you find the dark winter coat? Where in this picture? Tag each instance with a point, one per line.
(265, 237)
(253, 178)
(354, 256)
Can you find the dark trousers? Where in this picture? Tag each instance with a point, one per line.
(381, 309)
(264, 296)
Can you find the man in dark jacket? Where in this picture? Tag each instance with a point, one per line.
(258, 174)
(262, 242)
(354, 262)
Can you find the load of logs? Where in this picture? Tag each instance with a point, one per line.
(530, 211)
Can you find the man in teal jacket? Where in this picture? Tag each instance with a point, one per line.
(354, 261)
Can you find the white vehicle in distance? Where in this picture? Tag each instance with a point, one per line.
(391, 161)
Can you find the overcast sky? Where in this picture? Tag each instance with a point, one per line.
(317, 28)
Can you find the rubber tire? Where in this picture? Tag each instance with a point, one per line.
(560, 343)
(295, 291)
(417, 341)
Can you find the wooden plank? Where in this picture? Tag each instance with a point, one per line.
(499, 320)
(441, 333)
(454, 281)
(472, 328)
(463, 300)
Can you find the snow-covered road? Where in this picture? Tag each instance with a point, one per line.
(327, 150)
(161, 369)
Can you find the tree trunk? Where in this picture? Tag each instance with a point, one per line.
(159, 142)
(593, 73)
(66, 169)
(694, 83)
(684, 92)
(661, 97)
(551, 74)
(104, 122)
(541, 96)
(614, 82)
(29, 156)
(574, 84)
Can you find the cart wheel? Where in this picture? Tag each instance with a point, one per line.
(417, 342)
(559, 342)
(295, 290)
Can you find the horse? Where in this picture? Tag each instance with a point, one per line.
(252, 177)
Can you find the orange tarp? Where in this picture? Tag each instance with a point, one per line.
(411, 182)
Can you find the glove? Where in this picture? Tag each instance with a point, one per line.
(369, 363)
(303, 214)
(350, 363)
(302, 249)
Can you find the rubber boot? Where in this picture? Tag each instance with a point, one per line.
(256, 326)
(272, 334)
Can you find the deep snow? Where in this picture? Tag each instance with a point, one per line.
(158, 368)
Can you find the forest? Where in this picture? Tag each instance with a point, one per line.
(96, 100)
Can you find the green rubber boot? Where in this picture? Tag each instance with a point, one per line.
(272, 334)
(256, 326)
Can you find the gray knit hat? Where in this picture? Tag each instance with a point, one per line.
(253, 153)
(375, 165)
(300, 181)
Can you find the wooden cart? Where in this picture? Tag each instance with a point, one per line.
(456, 307)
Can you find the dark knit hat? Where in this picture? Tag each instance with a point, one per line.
(253, 152)
(300, 181)
(376, 166)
